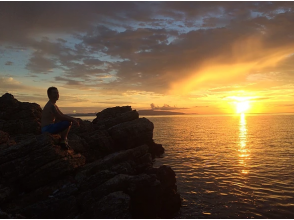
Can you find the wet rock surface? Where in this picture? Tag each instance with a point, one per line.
(107, 173)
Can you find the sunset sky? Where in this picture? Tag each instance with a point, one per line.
(192, 57)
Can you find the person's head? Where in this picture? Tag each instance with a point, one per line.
(52, 93)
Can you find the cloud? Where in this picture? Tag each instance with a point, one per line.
(9, 63)
(11, 85)
(37, 98)
(116, 103)
(164, 107)
(38, 63)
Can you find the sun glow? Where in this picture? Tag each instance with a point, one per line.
(242, 106)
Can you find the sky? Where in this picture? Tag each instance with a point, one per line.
(192, 57)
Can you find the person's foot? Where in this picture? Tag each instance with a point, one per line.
(64, 145)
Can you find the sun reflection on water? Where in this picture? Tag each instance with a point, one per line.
(244, 153)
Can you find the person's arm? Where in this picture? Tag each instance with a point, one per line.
(58, 114)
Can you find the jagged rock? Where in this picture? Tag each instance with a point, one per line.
(77, 143)
(145, 191)
(60, 189)
(4, 215)
(19, 117)
(85, 127)
(4, 137)
(5, 193)
(89, 198)
(52, 208)
(113, 116)
(5, 140)
(110, 113)
(97, 179)
(133, 133)
(171, 200)
(99, 143)
(156, 150)
(36, 162)
(111, 160)
(115, 205)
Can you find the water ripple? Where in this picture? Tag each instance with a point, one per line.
(230, 166)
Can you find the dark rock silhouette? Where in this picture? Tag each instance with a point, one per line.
(19, 117)
(108, 173)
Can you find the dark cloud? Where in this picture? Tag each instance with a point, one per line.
(68, 81)
(93, 62)
(116, 102)
(61, 40)
(40, 64)
(164, 107)
(9, 63)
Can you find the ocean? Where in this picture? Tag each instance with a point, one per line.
(230, 166)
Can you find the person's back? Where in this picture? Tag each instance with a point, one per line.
(47, 115)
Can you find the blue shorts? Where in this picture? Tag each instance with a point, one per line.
(56, 128)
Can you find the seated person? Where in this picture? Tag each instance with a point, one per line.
(54, 121)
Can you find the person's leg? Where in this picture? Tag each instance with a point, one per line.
(62, 128)
(64, 133)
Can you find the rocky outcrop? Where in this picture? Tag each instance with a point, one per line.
(108, 173)
(19, 117)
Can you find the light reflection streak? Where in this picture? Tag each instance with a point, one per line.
(243, 150)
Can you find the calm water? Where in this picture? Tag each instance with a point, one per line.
(230, 166)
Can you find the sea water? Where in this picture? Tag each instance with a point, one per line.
(230, 166)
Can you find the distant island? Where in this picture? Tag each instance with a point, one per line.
(152, 112)
(141, 112)
(82, 114)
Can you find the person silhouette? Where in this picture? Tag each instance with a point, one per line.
(54, 121)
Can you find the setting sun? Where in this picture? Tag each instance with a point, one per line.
(242, 107)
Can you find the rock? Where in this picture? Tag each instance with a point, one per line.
(112, 160)
(60, 189)
(5, 140)
(115, 205)
(5, 193)
(133, 133)
(114, 116)
(146, 199)
(19, 117)
(4, 215)
(97, 179)
(171, 200)
(36, 162)
(52, 208)
(4, 137)
(87, 199)
(85, 127)
(156, 150)
(111, 113)
(99, 143)
(77, 143)
(108, 172)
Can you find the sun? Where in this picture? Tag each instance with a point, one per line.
(242, 106)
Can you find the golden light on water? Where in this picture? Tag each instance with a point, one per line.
(244, 152)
